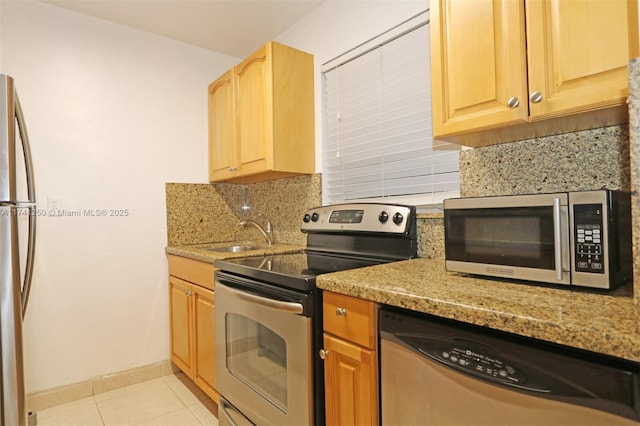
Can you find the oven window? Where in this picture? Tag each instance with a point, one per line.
(257, 356)
(502, 236)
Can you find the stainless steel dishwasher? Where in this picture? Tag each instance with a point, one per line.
(441, 372)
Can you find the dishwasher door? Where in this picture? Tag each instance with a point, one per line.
(439, 372)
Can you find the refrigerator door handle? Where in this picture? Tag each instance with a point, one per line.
(31, 193)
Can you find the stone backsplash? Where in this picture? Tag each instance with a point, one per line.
(580, 161)
(586, 160)
(592, 159)
(634, 136)
(196, 213)
(430, 236)
(202, 213)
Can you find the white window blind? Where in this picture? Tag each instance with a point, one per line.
(378, 133)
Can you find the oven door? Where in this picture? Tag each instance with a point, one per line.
(522, 237)
(264, 351)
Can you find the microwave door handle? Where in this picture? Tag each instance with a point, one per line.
(557, 237)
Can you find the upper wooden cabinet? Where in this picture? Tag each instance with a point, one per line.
(505, 70)
(222, 122)
(261, 117)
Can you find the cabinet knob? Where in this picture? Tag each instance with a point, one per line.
(188, 293)
(513, 102)
(341, 312)
(323, 354)
(535, 97)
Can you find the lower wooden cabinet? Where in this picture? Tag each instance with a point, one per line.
(192, 321)
(350, 360)
(351, 391)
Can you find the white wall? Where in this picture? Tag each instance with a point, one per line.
(337, 26)
(113, 113)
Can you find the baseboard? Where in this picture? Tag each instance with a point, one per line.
(68, 393)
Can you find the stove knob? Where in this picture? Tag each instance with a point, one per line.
(398, 218)
(306, 218)
(315, 217)
(383, 217)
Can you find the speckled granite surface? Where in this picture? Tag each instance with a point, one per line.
(284, 202)
(634, 136)
(203, 253)
(604, 323)
(202, 213)
(196, 213)
(431, 235)
(588, 160)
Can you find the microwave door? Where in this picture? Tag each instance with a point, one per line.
(522, 237)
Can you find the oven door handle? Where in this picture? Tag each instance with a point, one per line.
(231, 416)
(288, 307)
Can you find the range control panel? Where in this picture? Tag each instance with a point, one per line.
(589, 238)
(478, 364)
(359, 217)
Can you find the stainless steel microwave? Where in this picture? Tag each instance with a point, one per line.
(571, 238)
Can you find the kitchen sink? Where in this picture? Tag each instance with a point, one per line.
(234, 248)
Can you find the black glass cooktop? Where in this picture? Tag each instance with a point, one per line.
(293, 270)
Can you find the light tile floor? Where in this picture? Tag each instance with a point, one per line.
(166, 401)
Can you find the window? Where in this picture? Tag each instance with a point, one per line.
(378, 133)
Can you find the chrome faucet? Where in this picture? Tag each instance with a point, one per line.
(267, 232)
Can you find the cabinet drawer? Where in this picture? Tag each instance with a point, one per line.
(194, 271)
(351, 318)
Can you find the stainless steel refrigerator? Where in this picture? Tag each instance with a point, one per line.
(17, 247)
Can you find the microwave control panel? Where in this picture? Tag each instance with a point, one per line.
(589, 238)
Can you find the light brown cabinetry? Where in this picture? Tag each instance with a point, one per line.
(350, 360)
(192, 321)
(261, 117)
(222, 156)
(513, 69)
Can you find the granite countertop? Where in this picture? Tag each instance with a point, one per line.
(200, 252)
(600, 322)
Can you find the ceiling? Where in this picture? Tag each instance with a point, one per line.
(232, 27)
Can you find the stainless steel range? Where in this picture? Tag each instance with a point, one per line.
(269, 312)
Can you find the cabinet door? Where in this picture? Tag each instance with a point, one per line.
(478, 64)
(253, 111)
(205, 342)
(351, 386)
(578, 53)
(222, 152)
(181, 320)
